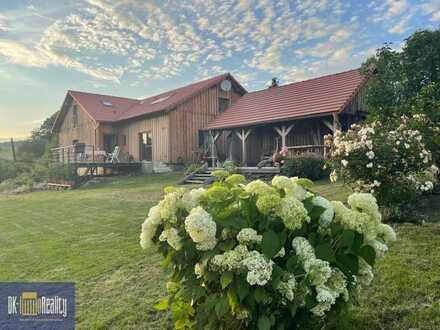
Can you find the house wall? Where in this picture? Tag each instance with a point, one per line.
(84, 132)
(188, 118)
(158, 126)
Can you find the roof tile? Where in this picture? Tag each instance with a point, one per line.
(318, 96)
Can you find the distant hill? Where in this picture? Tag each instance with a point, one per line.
(5, 149)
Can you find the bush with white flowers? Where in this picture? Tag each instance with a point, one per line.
(391, 163)
(263, 256)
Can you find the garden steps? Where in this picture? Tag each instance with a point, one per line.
(200, 176)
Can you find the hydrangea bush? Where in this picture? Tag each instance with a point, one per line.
(262, 256)
(391, 163)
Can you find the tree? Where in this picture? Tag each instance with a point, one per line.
(35, 146)
(407, 82)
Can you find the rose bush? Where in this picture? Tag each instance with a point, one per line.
(391, 163)
(261, 256)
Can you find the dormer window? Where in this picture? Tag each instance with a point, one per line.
(107, 103)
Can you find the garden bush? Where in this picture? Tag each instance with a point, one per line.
(259, 256)
(309, 166)
(391, 163)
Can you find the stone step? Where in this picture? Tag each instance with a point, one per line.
(194, 181)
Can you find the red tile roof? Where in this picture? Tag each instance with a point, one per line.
(314, 97)
(111, 108)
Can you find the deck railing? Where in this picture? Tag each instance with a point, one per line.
(77, 153)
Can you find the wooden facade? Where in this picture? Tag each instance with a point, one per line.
(175, 133)
(189, 118)
(79, 127)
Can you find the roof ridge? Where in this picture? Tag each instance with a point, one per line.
(107, 95)
(188, 85)
(303, 81)
(175, 90)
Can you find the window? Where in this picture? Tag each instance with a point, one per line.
(124, 140)
(201, 138)
(75, 116)
(223, 104)
(146, 146)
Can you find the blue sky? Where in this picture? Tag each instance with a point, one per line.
(136, 48)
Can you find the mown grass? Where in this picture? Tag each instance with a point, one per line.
(90, 236)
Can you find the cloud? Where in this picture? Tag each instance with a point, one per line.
(433, 8)
(401, 26)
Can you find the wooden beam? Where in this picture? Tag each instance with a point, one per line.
(336, 123)
(214, 138)
(283, 131)
(243, 135)
(328, 124)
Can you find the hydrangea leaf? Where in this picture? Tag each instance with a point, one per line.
(369, 254)
(221, 307)
(260, 295)
(292, 263)
(348, 263)
(242, 289)
(263, 323)
(324, 251)
(346, 239)
(162, 305)
(270, 244)
(226, 279)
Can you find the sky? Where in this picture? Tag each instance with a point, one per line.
(138, 48)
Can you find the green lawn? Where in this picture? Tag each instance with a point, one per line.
(90, 236)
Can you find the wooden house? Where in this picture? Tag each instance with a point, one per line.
(158, 131)
(215, 115)
(295, 116)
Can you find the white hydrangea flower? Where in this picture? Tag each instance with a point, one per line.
(169, 205)
(370, 154)
(149, 227)
(199, 270)
(230, 260)
(387, 233)
(293, 213)
(171, 236)
(287, 288)
(369, 165)
(248, 236)
(344, 162)
(192, 198)
(365, 203)
(365, 275)
(327, 216)
(281, 253)
(201, 228)
(282, 182)
(258, 187)
(259, 268)
(327, 293)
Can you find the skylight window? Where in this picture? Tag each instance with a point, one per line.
(161, 99)
(107, 103)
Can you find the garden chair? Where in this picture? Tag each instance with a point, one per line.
(114, 156)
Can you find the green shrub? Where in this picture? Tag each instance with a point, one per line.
(393, 163)
(8, 170)
(309, 166)
(260, 256)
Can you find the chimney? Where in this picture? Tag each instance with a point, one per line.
(274, 82)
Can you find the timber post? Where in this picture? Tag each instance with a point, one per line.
(243, 135)
(214, 138)
(283, 131)
(14, 157)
